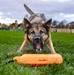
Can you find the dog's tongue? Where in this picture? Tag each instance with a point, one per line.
(38, 46)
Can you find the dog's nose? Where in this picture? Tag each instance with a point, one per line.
(36, 38)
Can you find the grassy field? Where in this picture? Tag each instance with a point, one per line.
(10, 42)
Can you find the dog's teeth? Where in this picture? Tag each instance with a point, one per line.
(39, 50)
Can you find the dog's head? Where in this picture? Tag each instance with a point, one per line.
(37, 33)
(37, 29)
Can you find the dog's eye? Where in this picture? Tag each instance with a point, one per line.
(41, 32)
(32, 32)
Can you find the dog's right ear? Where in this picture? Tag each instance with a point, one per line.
(27, 24)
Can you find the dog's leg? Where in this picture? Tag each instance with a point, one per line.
(24, 45)
(50, 45)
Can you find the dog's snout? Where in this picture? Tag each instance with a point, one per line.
(38, 43)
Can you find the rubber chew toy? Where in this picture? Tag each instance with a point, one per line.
(39, 59)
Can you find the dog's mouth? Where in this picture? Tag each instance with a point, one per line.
(38, 43)
(38, 47)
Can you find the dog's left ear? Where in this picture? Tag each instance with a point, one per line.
(48, 24)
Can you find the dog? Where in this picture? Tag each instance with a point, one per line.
(37, 31)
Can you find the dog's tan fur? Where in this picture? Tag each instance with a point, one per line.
(39, 21)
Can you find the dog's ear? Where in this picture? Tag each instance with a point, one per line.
(48, 24)
(27, 24)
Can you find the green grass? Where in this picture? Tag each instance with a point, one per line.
(10, 42)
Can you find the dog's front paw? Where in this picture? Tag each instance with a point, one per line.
(54, 53)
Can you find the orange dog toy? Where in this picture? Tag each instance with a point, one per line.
(39, 59)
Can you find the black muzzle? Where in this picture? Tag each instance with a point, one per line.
(38, 43)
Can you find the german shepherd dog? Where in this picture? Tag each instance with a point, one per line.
(37, 31)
